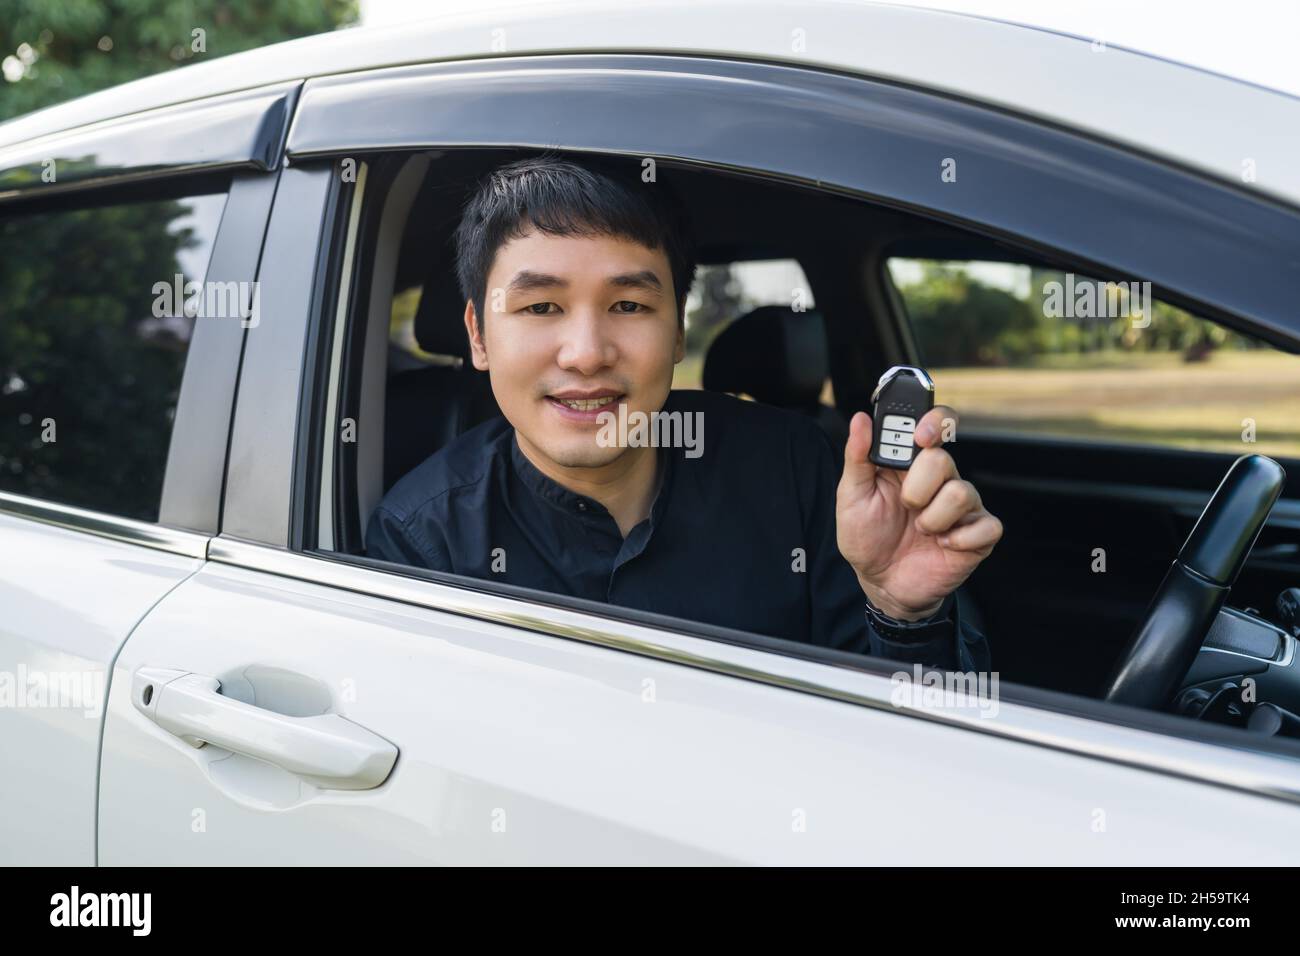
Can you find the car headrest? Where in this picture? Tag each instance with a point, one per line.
(440, 316)
(777, 355)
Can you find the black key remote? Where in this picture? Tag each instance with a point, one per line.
(904, 395)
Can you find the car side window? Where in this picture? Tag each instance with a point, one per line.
(1034, 351)
(95, 323)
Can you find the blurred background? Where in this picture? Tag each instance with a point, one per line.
(55, 50)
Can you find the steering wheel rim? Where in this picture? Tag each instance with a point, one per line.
(1179, 616)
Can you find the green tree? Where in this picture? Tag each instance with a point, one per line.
(721, 301)
(89, 375)
(959, 320)
(55, 51)
(88, 381)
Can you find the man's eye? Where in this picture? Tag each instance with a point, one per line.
(622, 307)
(539, 308)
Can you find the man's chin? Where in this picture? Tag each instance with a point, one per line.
(587, 454)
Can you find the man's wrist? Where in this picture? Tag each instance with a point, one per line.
(886, 605)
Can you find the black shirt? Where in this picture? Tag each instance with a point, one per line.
(741, 536)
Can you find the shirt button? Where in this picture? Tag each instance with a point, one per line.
(582, 506)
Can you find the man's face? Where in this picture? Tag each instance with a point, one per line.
(576, 326)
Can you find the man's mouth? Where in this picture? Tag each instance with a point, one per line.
(587, 404)
(579, 405)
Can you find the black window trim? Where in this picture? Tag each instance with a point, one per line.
(244, 130)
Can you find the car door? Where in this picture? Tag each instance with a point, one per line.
(286, 704)
(110, 393)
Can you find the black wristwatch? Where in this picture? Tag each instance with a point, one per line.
(938, 624)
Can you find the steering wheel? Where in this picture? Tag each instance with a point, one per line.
(1179, 616)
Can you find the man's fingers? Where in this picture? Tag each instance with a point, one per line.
(936, 426)
(858, 468)
(931, 468)
(955, 500)
(980, 534)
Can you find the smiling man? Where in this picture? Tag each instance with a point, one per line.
(575, 282)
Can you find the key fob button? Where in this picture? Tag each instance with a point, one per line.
(896, 452)
(896, 438)
(899, 423)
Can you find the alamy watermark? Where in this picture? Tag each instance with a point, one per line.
(661, 429)
(216, 300)
(952, 690)
(1080, 298)
(129, 910)
(33, 688)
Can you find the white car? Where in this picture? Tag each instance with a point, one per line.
(228, 324)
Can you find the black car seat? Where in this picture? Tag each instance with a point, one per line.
(778, 357)
(428, 407)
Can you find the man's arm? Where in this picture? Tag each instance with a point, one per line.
(912, 537)
(843, 617)
(389, 538)
(943, 640)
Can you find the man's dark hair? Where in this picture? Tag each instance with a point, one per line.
(562, 197)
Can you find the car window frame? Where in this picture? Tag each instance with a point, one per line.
(108, 164)
(189, 493)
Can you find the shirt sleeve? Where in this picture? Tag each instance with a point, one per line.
(841, 616)
(943, 640)
(389, 538)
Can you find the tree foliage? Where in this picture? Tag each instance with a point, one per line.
(55, 51)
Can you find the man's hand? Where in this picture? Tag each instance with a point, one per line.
(912, 536)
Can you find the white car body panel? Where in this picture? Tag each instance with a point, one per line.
(520, 748)
(69, 600)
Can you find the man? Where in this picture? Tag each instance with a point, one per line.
(576, 283)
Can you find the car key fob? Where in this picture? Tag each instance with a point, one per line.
(904, 395)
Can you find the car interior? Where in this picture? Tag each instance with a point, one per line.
(1051, 620)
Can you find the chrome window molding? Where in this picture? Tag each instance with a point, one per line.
(128, 530)
(243, 130)
(1259, 772)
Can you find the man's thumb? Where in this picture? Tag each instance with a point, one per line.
(858, 468)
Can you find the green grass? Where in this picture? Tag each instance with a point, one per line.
(1152, 398)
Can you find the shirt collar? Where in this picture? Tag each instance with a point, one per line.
(572, 503)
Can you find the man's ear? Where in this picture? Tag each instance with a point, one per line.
(477, 350)
(679, 349)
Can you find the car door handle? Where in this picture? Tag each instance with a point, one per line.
(327, 749)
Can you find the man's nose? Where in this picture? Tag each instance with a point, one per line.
(587, 346)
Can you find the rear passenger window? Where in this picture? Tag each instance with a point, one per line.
(92, 349)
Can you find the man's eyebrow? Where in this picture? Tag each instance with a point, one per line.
(526, 280)
(645, 279)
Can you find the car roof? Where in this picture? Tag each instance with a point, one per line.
(1195, 118)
